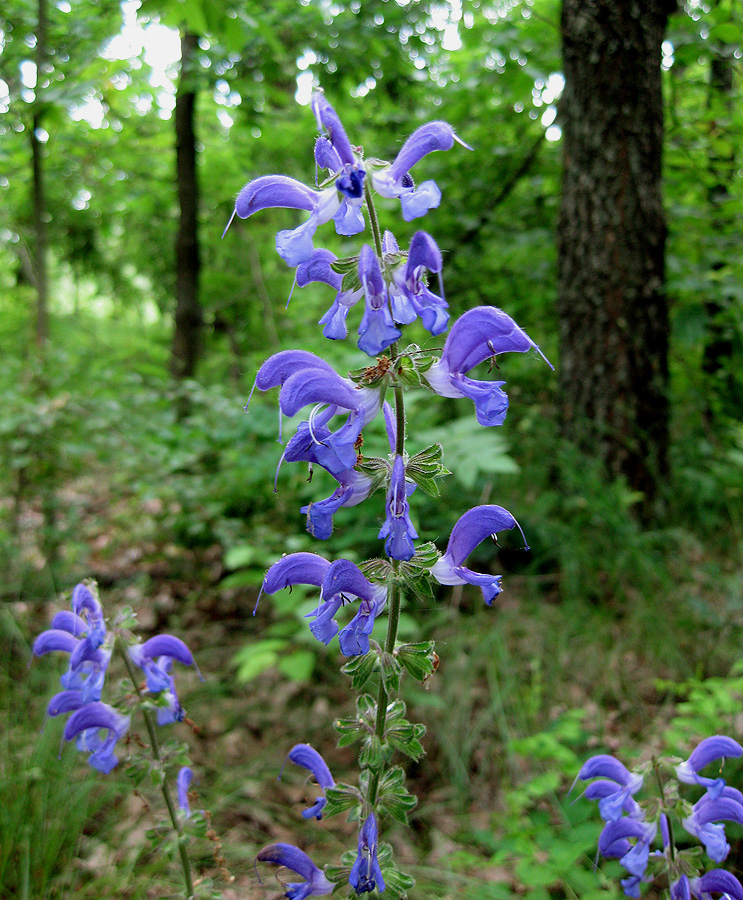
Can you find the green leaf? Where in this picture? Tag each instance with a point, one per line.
(253, 659)
(341, 797)
(393, 798)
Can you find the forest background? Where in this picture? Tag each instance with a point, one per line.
(131, 332)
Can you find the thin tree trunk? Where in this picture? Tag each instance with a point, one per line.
(41, 276)
(611, 239)
(188, 312)
(723, 393)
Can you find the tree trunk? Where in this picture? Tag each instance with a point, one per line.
(723, 392)
(611, 239)
(41, 276)
(188, 313)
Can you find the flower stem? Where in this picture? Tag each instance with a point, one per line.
(394, 603)
(373, 219)
(157, 756)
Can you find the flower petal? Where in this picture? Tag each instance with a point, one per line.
(271, 191)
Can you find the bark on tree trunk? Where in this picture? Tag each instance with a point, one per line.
(611, 239)
(188, 312)
(41, 276)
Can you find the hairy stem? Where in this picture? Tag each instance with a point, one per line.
(373, 219)
(394, 602)
(157, 756)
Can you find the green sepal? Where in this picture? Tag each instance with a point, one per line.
(366, 707)
(360, 668)
(349, 731)
(351, 280)
(397, 883)
(379, 571)
(196, 825)
(157, 775)
(390, 670)
(345, 264)
(404, 736)
(410, 364)
(393, 798)
(373, 753)
(341, 797)
(338, 874)
(413, 574)
(417, 659)
(426, 467)
(377, 469)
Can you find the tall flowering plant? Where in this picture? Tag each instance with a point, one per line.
(393, 287)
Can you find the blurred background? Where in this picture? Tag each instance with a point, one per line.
(131, 331)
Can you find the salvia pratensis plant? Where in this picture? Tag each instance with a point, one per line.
(393, 287)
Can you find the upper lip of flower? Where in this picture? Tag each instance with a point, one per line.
(472, 528)
(297, 860)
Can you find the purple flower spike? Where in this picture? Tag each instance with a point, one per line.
(307, 757)
(92, 718)
(709, 750)
(366, 874)
(398, 529)
(479, 334)
(395, 180)
(472, 528)
(315, 883)
(185, 775)
(717, 881)
(83, 599)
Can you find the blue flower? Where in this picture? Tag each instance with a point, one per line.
(398, 529)
(409, 293)
(479, 334)
(615, 795)
(155, 657)
(709, 750)
(315, 883)
(726, 807)
(395, 180)
(615, 843)
(472, 528)
(294, 246)
(86, 723)
(344, 580)
(366, 874)
(183, 783)
(307, 757)
(353, 488)
(377, 330)
(81, 633)
(340, 582)
(305, 379)
(335, 153)
(716, 881)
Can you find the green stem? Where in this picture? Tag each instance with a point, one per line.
(394, 603)
(157, 756)
(663, 810)
(373, 219)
